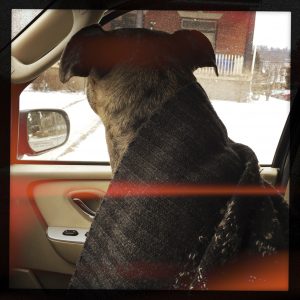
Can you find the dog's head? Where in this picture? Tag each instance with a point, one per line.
(132, 72)
(94, 49)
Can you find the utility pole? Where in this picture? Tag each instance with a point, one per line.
(253, 59)
(249, 42)
(140, 19)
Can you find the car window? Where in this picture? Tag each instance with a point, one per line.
(86, 141)
(251, 94)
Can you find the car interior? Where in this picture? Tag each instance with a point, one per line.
(53, 203)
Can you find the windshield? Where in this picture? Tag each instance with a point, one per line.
(21, 18)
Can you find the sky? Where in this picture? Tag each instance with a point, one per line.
(273, 29)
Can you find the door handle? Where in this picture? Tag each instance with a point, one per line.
(87, 200)
(91, 213)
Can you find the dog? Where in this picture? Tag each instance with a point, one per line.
(131, 73)
(161, 128)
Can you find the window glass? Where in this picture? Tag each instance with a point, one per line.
(251, 94)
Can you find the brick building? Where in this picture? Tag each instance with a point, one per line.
(231, 33)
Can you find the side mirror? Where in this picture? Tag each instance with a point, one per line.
(41, 130)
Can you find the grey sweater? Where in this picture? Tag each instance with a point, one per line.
(151, 232)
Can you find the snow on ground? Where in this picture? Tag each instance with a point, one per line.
(257, 124)
(31, 99)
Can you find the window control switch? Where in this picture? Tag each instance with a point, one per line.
(70, 232)
(67, 234)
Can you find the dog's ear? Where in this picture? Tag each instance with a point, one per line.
(81, 52)
(195, 49)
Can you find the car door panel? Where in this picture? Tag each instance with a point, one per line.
(41, 199)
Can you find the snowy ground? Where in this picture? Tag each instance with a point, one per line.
(257, 124)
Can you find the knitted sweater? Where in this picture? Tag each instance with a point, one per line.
(184, 200)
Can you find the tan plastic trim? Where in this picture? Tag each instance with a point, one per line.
(68, 251)
(23, 48)
(57, 210)
(23, 279)
(91, 172)
(41, 45)
(61, 171)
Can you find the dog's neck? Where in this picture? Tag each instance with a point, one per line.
(125, 99)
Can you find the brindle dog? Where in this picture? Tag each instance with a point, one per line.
(131, 73)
